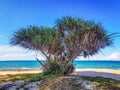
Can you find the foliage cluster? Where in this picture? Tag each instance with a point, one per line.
(62, 44)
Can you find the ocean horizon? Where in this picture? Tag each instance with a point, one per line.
(83, 64)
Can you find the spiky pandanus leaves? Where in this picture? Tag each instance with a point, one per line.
(45, 40)
(83, 37)
(95, 38)
(70, 38)
(37, 38)
(24, 37)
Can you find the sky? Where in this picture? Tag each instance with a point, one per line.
(15, 14)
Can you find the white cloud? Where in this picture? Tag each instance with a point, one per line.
(112, 56)
(115, 56)
(16, 57)
(87, 58)
(16, 53)
(10, 48)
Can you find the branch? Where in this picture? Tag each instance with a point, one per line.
(44, 53)
(40, 62)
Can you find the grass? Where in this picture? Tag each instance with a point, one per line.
(61, 83)
(104, 83)
(101, 83)
(27, 77)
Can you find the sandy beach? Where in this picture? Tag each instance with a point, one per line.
(106, 73)
(26, 71)
(113, 71)
(19, 71)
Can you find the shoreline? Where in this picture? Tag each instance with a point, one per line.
(112, 71)
(38, 70)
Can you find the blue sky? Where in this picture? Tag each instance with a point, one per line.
(15, 14)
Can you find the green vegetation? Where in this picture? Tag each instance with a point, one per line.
(105, 83)
(57, 81)
(62, 44)
(27, 77)
(71, 83)
(74, 83)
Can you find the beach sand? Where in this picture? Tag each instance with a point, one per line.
(19, 71)
(100, 70)
(106, 73)
(26, 71)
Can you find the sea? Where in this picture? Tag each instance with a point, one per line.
(30, 64)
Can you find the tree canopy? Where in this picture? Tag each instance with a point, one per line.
(69, 38)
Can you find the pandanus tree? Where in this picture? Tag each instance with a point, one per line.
(61, 45)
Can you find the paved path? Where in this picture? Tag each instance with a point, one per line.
(98, 74)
